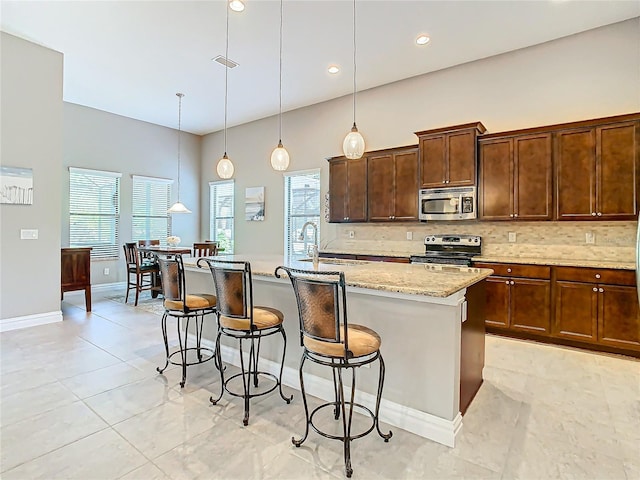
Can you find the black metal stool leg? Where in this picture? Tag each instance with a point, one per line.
(220, 369)
(166, 343)
(199, 326)
(297, 443)
(346, 441)
(284, 349)
(246, 383)
(336, 408)
(256, 355)
(378, 398)
(183, 350)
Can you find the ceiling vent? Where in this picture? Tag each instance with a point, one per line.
(225, 61)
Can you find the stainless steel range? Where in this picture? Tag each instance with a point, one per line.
(449, 249)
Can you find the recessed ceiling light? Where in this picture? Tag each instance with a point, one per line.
(422, 39)
(236, 5)
(333, 69)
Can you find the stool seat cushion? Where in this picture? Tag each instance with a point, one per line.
(263, 317)
(194, 301)
(146, 267)
(362, 341)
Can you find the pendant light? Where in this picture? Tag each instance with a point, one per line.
(225, 167)
(178, 207)
(280, 156)
(353, 145)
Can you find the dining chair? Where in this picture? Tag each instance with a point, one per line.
(238, 318)
(148, 256)
(328, 339)
(205, 249)
(183, 307)
(141, 275)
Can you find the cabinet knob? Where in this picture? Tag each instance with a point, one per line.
(512, 282)
(601, 290)
(444, 181)
(508, 270)
(507, 282)
(515, 214)
(511, 215)
(593, 214)
(597, 275)
(595, 289)
(599, 214)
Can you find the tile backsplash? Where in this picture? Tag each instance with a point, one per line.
(613, 241)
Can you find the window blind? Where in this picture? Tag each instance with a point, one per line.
(221, 208)
(94, 211)
(302, 204)
(150, 201)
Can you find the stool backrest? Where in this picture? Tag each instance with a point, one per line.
(205, 249)
(131, 255)
(322, 304)
(146, 243)
(234, 290)
(172, 275)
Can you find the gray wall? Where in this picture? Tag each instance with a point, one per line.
(100, 140)
(588, 75)
(31, 132)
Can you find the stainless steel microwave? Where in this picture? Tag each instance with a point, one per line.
(447, 204)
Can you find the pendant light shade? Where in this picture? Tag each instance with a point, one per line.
(280, 156)
(179, 207)
(224, 168)
(353, 145)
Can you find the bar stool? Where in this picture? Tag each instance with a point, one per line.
(238, 318)
(183, 307)
(328, 339)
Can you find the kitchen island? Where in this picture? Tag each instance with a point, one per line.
(431, 321)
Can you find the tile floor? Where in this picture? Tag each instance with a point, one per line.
(81, 400)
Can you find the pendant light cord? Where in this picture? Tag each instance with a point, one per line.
(180, 95)
(226, 75)
(280, 119)
(354, 63)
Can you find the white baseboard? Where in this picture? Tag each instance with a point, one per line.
(107, 286)
(7, 324)
(415, 421)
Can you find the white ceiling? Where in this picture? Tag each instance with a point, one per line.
(131, 57)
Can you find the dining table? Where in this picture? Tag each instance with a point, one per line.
(166, 251)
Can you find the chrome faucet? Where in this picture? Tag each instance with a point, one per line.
(315, 240)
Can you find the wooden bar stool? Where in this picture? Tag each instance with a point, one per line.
(328, 339)
(183, 307)
(238, 318)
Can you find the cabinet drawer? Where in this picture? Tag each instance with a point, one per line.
(596, 275)
(517, 270)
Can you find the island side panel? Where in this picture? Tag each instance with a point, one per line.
(472, 345)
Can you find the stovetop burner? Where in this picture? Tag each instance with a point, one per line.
(449, 249)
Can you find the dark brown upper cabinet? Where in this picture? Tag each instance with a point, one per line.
(392, 185)
(597, 169)
(516, 177)
(448, 155)
(347, 190)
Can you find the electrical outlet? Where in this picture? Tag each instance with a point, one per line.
(590, 237)
(106, 271)
(409, 235)
(352, 234)
(512, 237)
(28, 234)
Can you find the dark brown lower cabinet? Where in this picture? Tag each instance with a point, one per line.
(586, 307)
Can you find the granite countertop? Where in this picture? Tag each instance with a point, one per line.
(428, 280)
(564, 262)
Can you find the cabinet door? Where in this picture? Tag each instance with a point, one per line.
(406, 186)
(619, 317)
(496, 179)
(497, 302)
(576, 311)
(356, 190)
(432, 161)
(461, 158)
(338, 191)
(617, 153)
(532, 174)
(575, 173)
(531, 305)
(380, 174)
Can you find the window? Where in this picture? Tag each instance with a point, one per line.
(94, 211)
(151, 199)
(221, 197)
(302, 204)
